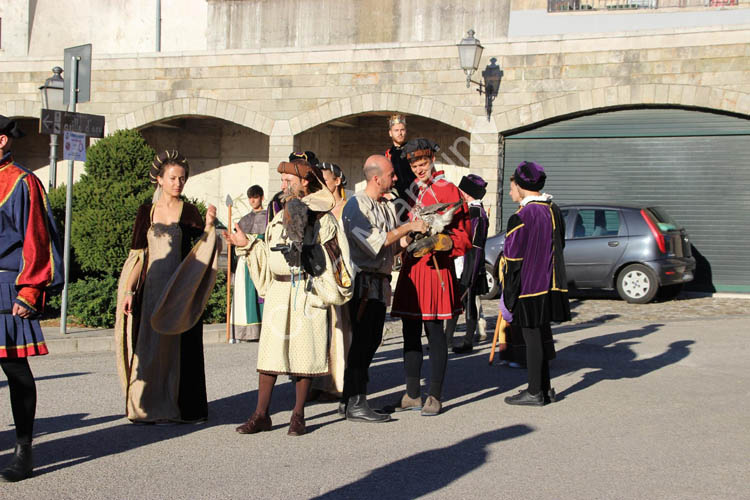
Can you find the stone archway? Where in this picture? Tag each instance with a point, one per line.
(373, 102)
(348, 141)
(626, 95)
(193, 106)
(20, 108)
(225, 158)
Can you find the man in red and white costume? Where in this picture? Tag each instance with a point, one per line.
(426, 291)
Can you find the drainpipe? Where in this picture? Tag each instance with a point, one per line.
(158, 25)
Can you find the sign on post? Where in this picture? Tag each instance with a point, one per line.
(74, 147)
(83, 83)
(57, 122)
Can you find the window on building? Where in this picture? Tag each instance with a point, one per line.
(568, 5)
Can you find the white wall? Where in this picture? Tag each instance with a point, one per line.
(114, 26)
(15, 28)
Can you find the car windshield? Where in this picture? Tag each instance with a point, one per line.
(662, 218)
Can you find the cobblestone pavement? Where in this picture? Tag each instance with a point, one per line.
(603, 307)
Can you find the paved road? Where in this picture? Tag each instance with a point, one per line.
(649, 410)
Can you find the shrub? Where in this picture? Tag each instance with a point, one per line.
(106, 201)
(216, 309)
(91, 300)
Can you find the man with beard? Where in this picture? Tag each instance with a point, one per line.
(404, 175)
(427, 292)
(301, 270)
(374, 235)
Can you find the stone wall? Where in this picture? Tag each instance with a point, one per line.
(291, 97)
(310, 23)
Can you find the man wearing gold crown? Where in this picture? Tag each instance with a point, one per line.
(404, 176)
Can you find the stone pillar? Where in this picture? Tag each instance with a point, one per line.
(485, 151)
(281, 142)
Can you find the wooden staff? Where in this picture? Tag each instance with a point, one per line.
(437, 268)
(500, 327)
(229, 272)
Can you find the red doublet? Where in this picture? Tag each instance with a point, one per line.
(419, 294)
(30, 260)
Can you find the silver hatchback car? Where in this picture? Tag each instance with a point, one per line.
(639, 251)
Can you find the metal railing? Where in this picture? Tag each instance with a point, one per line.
(574, 5)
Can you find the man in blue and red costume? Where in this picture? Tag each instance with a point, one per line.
(30, 264)
(426, 291)
(534, 283)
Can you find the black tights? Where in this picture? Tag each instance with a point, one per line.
(470, 306)
(412, 329)
(536, 364)
(22, 396)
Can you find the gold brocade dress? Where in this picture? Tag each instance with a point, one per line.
(166, 376)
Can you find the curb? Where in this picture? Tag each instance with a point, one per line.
(88, 341)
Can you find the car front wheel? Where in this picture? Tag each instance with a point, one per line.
(637, 284)
(492, 283)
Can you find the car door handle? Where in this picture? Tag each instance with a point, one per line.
(613, 243)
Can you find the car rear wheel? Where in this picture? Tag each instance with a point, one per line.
(637, 284)
(492, 283)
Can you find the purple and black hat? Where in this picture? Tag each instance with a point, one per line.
(529, 176)
(473, 185)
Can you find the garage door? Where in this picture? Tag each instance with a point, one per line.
(694, 164)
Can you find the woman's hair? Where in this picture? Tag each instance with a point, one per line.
(164, 160)
(255, 191)
(337, 174)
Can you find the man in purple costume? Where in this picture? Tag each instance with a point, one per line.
(534, 283)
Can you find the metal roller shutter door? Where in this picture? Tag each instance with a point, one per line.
(702, 180)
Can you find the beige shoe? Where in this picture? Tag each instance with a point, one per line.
(408, 403)
(431, 407)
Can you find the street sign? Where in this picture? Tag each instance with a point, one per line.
(83, 84)
(74, 147)
(57, 122)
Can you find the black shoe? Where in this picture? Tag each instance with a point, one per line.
(20, 466)
(524, 398)
(463, 348)
(550, 396)
(357, 410)
(342, 409)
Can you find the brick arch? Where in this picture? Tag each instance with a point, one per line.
(188, 106)
(20, 109)
(383, 101)
(626, 95)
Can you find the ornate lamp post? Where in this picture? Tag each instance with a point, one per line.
(52, 98)
(469, 54)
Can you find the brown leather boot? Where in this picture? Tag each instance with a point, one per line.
(256, 423)
(296, 425)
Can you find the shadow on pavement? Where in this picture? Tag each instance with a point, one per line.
(428, 471)
(4, 383)
(611, 358)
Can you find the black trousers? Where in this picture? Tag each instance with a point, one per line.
(412, 329)
(22, 396)
(367, 333)
(537, 360)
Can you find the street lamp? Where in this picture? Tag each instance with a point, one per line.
(469, 55)
(52, 98)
